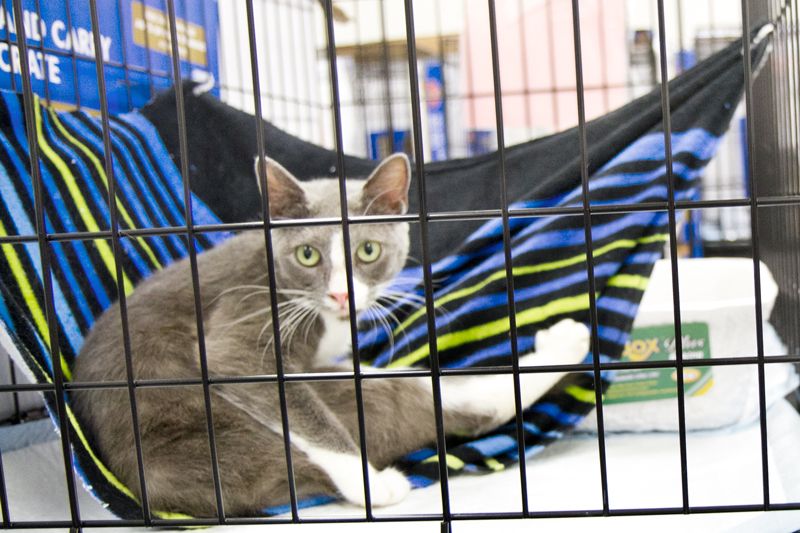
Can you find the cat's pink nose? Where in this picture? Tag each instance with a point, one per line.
(340, 298)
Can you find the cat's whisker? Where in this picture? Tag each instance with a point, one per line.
(295, 292)
(384, 324)
(402, 296)
(246, 317)
(389, 314)
(306, 322)
(293, 320)
(418, 281)
(286, 308)
(398, 297)
(237, 288)
(253, 314)
(250, 295)
(403, 281)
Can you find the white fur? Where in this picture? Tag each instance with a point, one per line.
(338, 280)
(336, 341)
(565, 343)
(387, 486)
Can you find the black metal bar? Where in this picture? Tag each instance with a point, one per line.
(124, 48)
(306, 83)
(419, 160)
(4, 496)
(348, 258)
(679, 16)
(281, 88)
(387, 74)
(40, 47)
(16, 420)
(475, 94)
(793, 320)
(308, 377)
(190, 246)
(469, 96)
(673, 249)
(579, 513)
(53, 340)
(12, 374)
(268, 248)
(239, 65)
(361, 104)
(507, 259)
(794, 25)
(787, 27)
(778, 127)
(794, 20)
(118, 254)
(311, 4)
(523, 50)
(791, 265)
(601, 33)
(443, 66)
(73, 56)
(587, 226)
(551, 48)
(148, 61)
(12, 71)
(752, 184)
(292, 9)
(483, 214)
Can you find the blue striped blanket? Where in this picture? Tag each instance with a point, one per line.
(472, 325)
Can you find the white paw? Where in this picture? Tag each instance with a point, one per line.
(567, 342)
(387, 487)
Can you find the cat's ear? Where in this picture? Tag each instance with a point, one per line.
(386, 190)
(286, 196)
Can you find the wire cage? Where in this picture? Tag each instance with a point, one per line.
(438, 80)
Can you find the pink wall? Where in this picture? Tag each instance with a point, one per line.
(605, 63)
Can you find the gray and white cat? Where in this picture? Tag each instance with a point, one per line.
(313, 301)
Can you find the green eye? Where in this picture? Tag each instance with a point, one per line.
(306, 255)
(368, 251)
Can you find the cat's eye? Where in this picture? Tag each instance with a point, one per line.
(307, 256)
(368, 251)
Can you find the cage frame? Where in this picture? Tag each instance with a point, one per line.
(43, 239)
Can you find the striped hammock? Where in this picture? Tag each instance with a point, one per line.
(472, 327)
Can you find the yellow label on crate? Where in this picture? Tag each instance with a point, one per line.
(657, 343)
(151, 30)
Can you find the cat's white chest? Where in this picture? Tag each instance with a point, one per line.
(334, 343)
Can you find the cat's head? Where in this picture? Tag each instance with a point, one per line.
(309, 260)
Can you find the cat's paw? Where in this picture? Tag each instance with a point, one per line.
(567, 340)
(387, 487)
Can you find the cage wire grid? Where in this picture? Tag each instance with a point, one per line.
(772, 200)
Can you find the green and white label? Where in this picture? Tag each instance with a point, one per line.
(657, 343)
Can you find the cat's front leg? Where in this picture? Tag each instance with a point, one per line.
(492, 396)
(386, 487)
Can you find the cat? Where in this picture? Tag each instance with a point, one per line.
(315, 330)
